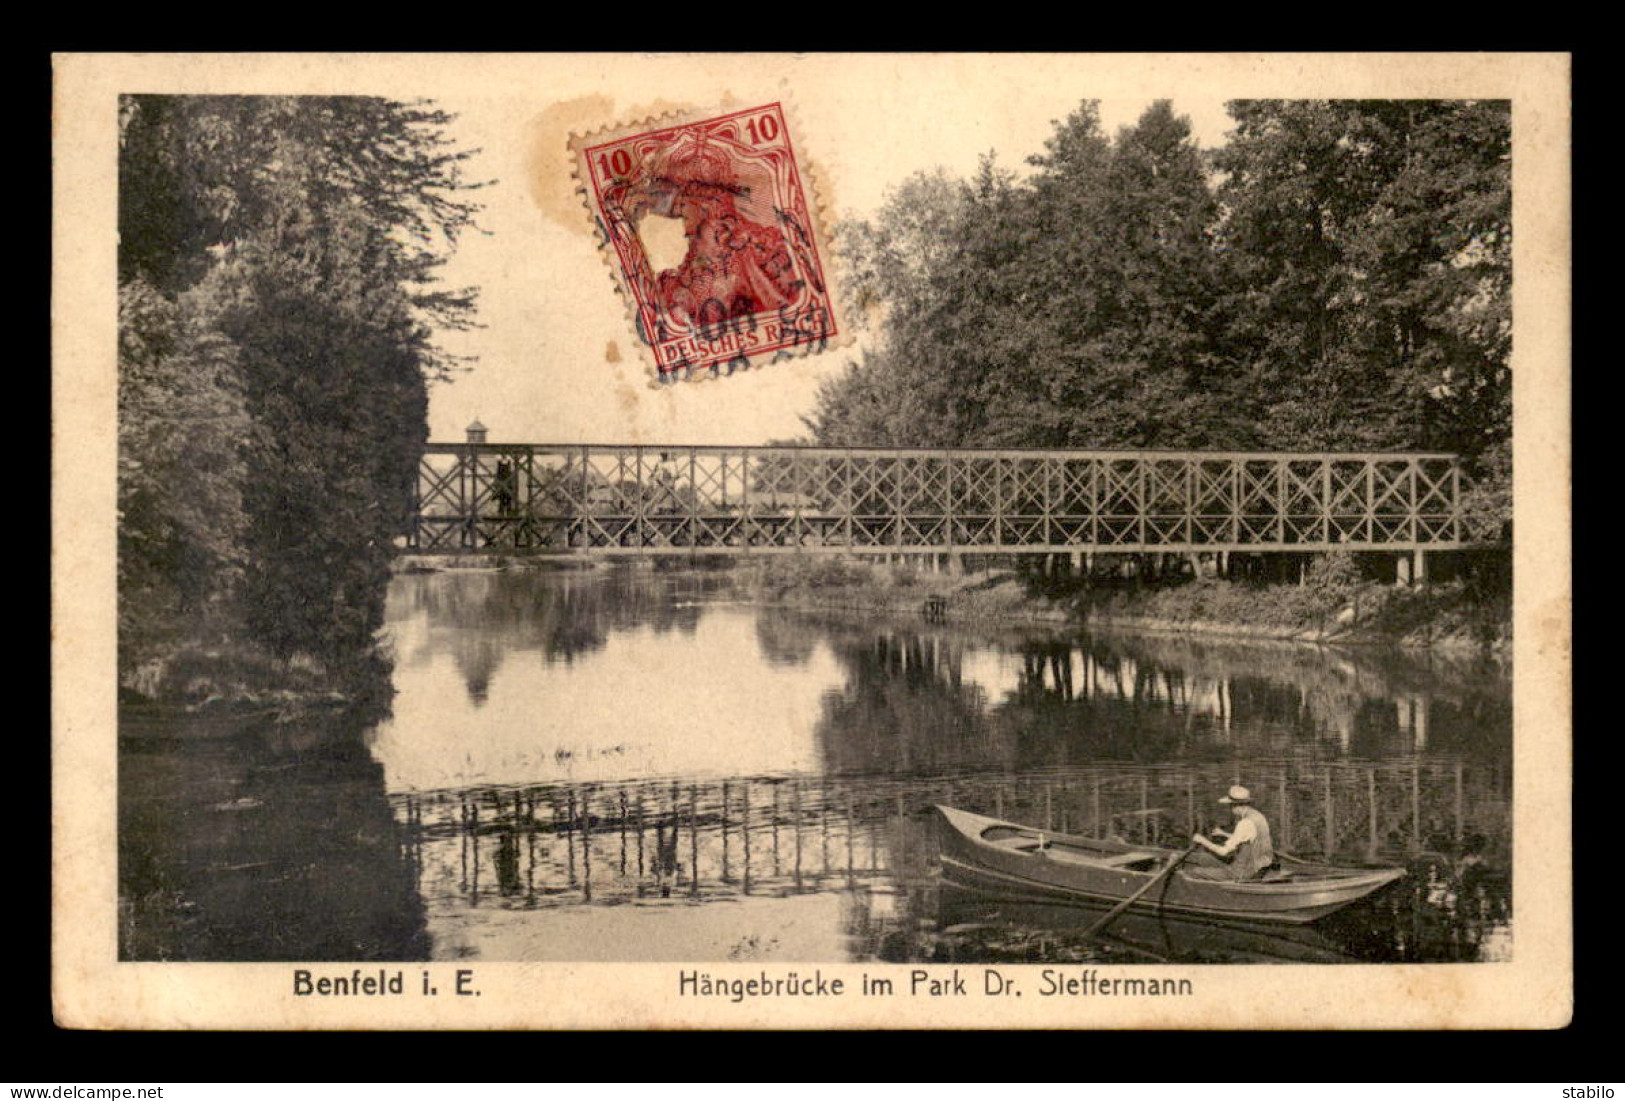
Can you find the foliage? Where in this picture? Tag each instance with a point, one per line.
(935, 260)
(201, 176)
(1334, 572)
(1337, 276)
(1370, 247)
(279, 302)
(182, 421)
(1333, 602)
(337, 435)
(1486, 505)
(801, 573)
(1276, 608)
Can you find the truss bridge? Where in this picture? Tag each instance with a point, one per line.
(479, 497)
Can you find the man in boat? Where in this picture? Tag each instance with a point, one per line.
(1245, 852)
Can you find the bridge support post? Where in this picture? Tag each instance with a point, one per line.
(1405, 569)
(1419, 566)
(956, 564)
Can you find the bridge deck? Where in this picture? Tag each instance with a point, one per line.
(671, 500)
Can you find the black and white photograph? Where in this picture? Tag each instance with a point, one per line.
(703, 540)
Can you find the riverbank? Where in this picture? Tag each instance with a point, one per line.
(437, 563)
(852, 585)
(1448, 616)
(231, 680)
(215, 671)
(226, 677)
(538, 716)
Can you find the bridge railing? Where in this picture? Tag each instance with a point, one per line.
(625, 499)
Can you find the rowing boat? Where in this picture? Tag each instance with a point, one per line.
(967, 913)
(1037, 865)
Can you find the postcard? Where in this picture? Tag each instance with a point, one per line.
(811, 541)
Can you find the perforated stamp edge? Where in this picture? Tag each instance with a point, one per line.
(813, 191)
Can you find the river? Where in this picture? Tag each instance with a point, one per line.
(620, 764)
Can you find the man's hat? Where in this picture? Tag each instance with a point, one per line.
(1238, 794)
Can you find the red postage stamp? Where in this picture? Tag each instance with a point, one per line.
(747, 281)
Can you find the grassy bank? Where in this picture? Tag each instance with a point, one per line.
(1451, 615)
(851, 584)
(1330, 605)
(441, 563)
(230, 677)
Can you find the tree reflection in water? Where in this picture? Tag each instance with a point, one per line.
(244, 840)
(1360, 756)
(788, 802)
(483, 615)
(1147, 699)
(870, 842)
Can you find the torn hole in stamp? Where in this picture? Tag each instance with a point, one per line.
(712, 229)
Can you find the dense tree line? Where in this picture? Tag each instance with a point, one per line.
(278, 308)
(1336, 276)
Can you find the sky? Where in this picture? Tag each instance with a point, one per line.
(557, 362)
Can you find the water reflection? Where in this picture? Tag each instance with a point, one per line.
(480, 616)
(625, 765)
(1051, 702)
(635, 766)
(244, 840)
(509, 678)
(869, 842)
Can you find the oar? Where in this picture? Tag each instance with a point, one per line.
(1131, 899)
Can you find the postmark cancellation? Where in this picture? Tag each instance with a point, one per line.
(712, 229)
